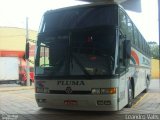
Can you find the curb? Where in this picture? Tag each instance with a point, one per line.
(7, 89)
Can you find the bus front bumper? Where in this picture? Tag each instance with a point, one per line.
(78, 102)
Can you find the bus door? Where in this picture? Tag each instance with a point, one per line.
(122, 71)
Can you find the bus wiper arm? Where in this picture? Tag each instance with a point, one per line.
(81, 66)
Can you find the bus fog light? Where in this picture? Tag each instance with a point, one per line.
(103, 102)
(96, 91)
(107, 102)
(100, 102)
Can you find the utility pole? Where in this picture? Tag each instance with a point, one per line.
(27, 54)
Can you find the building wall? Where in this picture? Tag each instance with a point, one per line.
(13, 41)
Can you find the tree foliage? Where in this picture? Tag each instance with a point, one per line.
(154, 47)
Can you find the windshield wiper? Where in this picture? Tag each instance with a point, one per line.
(81, 66)
(110, 60)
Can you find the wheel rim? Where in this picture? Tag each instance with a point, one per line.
(130, 97)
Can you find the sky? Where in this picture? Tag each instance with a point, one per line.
(13, 13)
(147, 20)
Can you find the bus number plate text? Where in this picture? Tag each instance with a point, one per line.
(70, 102)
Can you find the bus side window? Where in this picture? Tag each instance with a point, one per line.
(143, 45)
(136, 36)
(121, 60)
(122, 22)
(44, 56)
(123, 35)
(130, 31)
(140, 42)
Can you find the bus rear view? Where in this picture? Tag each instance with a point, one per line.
(77, 59)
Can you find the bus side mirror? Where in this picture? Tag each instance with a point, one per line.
(126, 49)
(27, 51)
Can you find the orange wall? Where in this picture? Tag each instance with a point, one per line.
(13, 40)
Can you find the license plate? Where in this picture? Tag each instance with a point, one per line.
(70, 102)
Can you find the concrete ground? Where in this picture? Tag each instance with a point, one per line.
(18, 103)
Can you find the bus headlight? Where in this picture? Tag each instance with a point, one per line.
(39, 90)
(46, 90)
(108, 90)
(42, 90)
(96, 91)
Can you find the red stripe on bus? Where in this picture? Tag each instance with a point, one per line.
(135, 56)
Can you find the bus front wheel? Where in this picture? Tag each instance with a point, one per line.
(130, 97)
(147, 85)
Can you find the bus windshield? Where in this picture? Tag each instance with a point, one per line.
(72, 43)
(84, 53)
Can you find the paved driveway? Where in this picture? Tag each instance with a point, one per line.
(19, 103)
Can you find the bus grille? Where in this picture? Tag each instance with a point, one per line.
(65, 92)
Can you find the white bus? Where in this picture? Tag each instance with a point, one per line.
(90, 57)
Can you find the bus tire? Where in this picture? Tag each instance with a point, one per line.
(130, 97)
(147, 85)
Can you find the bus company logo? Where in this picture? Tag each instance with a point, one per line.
(77, 83)
(68, 90)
